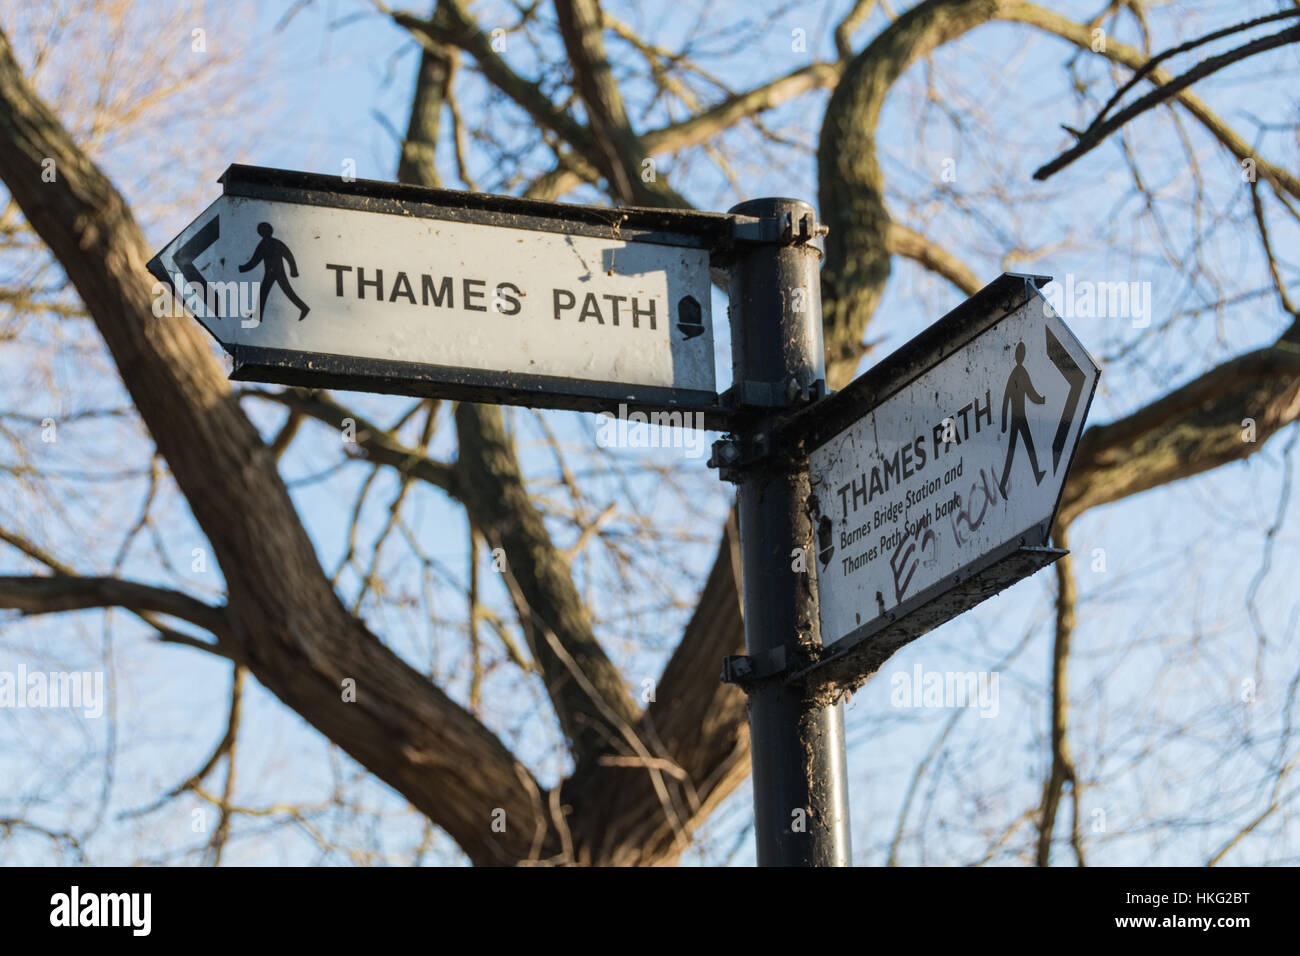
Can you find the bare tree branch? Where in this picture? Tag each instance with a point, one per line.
(547, 601)
(1081, 36)
(850, 182)
(56, 593)
(1192, 429)
(454, 25)
(844, 31)
(617, 147)
(1097, 132)
(433, 81)
(740, 106)
(695, 720)
(286, 620)
(378, 444)
(905, 242)
(1062, 766)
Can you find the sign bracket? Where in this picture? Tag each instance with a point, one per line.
(746, 671)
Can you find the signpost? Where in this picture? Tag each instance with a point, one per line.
(928, 484)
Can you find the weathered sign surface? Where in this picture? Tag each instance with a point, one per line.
(964, 461)
(316, 280)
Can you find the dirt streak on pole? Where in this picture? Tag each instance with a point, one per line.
(797, 745)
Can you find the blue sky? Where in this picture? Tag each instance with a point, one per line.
(1174, 758)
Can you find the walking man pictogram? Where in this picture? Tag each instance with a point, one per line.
(273, 253)
(1019, 387)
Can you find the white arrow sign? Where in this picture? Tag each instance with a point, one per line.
(322, 282)
(965, 459)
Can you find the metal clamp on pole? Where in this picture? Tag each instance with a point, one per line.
(749, 447)
(782, 228)
(745, 671)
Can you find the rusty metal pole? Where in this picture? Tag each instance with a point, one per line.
(797, 745)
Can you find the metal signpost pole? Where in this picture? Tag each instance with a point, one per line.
(797, 746)
(867, 518)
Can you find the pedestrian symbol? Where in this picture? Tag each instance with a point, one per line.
(1019, 387)
(273, 253)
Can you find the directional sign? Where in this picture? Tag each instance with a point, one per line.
(951, 466)
(321, 281)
